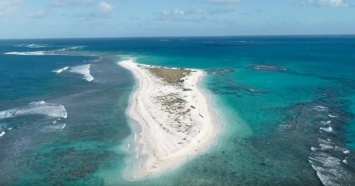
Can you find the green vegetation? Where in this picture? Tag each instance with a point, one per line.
(171, 76)
(171, 100)
(173, 103)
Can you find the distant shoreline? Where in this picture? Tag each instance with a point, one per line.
(175, 119)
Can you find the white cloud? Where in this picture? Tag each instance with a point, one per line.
(198, 11)
(224, 10)
(202, 11)
(224, 1)
(105, 7)
(64, 3)
(175, 12)
(39, 14)
(334, 3)
(7, 7)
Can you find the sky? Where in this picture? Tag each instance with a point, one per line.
(154, 18)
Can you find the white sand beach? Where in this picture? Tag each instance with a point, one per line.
(176, 122)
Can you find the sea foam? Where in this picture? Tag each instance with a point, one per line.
(36, 108)
(33, 45)
(71, 48)
(327, 129)
(321, 108)
(84, 70)
(53, 128)
(58, 71)
(38, 53)
(35, 53)
(329, 169)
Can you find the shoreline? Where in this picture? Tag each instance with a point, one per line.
(164, 143)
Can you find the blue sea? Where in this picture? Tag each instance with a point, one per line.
(286, 105)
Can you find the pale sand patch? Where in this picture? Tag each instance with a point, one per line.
(175, 125)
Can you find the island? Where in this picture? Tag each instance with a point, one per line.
(173, 117)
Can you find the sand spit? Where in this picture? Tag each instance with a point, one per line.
(175, 119)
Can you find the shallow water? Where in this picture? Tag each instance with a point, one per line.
(286, 105)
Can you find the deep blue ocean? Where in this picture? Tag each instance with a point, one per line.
(286, 105)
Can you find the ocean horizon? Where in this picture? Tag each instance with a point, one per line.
(185, 36)
(286, 106)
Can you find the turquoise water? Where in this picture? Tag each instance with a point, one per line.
(350, 129)
(276, 97)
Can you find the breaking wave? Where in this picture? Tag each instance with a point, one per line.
(58, 71)
(71, 48)
(35, 53)
(36, 108)
(42, 52)
(33, 45)
(330, 166)
(330, 170)
(83, 70)
(326, 129)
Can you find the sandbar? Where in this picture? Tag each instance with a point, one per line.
(175, 118)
